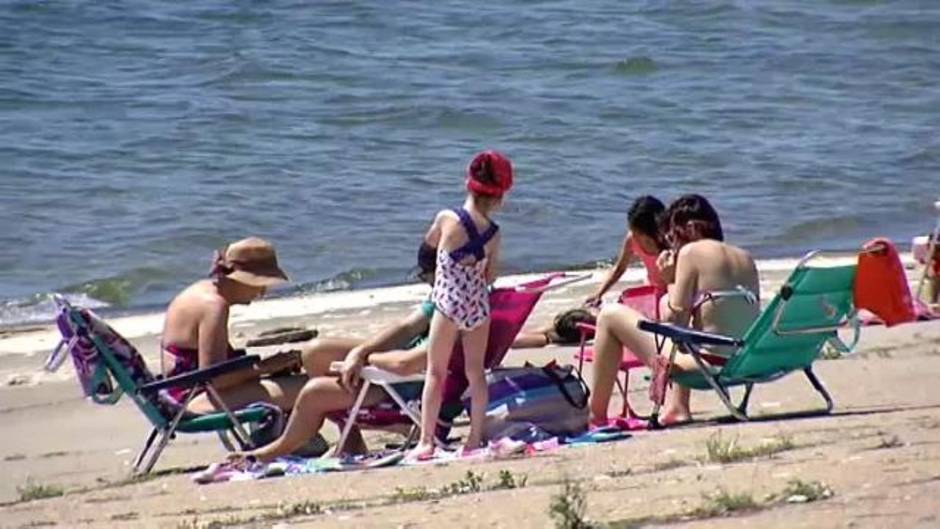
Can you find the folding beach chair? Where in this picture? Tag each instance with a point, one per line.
(108, 367)
(645, 299)
(788, 335)
(509, 309)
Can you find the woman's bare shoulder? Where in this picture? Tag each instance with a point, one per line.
(201, 297)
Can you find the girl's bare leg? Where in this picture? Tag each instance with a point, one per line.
(474, 351)
(443, 335)
(616, 329)
(319, 397)
(677, 407)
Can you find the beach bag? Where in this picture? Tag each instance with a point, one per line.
(551, 398)
(881, 284)
(79, 329)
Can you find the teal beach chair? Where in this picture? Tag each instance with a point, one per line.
(788, 336)
(108, 367)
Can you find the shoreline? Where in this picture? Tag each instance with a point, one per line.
(30, 338)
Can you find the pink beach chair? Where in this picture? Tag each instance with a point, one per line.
(510, 307)
(644, 299)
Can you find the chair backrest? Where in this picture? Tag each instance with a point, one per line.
(790, 332)
(106, 364)
(509, 310)
(644, 299)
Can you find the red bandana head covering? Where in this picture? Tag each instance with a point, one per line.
(489, 173)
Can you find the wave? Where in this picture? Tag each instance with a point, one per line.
(40, 308)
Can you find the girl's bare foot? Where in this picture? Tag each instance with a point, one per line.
(672, 417)
(422, 452)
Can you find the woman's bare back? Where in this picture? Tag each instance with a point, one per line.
(723, 267)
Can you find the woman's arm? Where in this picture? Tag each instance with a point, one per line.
(391, 337)
(682, 293)
(214, 346)
(615, 273)
(395, 335)
(402, 363)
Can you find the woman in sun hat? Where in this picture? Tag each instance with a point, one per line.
(195, 331)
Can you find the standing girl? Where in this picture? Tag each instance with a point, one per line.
(467, 243)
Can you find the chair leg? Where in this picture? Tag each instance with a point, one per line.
(241, 435)
(817, 385)
(227, 440)
(411, 438)
(152, 460)
(622, 387)
(167, 434)
(627, 411)
(146, 448)
(721, 390)
(351, 418)
(748, 388)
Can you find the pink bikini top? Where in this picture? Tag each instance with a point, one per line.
(649, 262)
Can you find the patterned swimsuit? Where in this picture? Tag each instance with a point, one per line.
(460, 291)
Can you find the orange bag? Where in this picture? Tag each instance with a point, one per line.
(881, 284)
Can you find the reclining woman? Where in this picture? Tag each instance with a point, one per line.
(698, 262)
(195, 331)
(400, 348)
(643, 241)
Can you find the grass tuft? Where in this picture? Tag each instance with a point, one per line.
(471, 483)
(403, 495)
(798, 491)
(723, 503)
(37, 491)
(721, 450)
(569, 506)
(507, 480)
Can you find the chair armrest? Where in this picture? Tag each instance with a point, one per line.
(689, 336)
(190, 379)
(380, 376)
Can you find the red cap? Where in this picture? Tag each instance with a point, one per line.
(489, 173)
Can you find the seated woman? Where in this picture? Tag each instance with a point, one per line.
(643, 241)
(400, 348)
(195, 331)
(698, 262)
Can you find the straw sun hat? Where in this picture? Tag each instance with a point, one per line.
(250, 261)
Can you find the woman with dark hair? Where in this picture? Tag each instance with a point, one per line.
(698, 261)
(643, 241)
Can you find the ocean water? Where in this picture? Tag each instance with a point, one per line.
(136, 137)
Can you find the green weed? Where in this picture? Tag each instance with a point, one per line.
(569, 506)
(37, 491)
(721, 450)
(507, 480)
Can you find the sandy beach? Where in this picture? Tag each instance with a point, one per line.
(875, 462)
